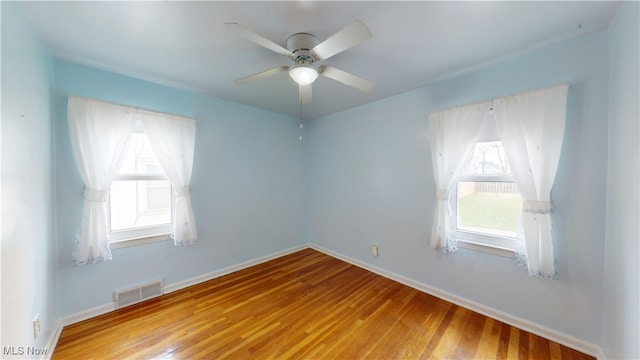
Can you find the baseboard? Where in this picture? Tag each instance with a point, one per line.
(53, 340)
(72, 319)
(228, 270)
(520, 323)
(88, 314)
(601, 355)
(540, 330)
(109, 307)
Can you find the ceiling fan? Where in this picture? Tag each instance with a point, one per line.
(305, 50)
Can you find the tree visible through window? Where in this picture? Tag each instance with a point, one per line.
(487, 202)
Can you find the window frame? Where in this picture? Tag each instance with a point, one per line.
(489, 243)
(142, 234)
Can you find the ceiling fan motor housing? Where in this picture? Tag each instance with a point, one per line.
(304, 50)
(300, 45)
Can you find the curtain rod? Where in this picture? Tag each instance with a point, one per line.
(137, 109)
(491, 100)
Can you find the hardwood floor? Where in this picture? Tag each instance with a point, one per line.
(306, 305)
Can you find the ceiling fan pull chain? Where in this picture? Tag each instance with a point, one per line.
(301, 127)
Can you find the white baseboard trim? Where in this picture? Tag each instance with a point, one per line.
(228, 270)
(540, 330)
(72, 319)
(520, 323)
(109, 307)
(88, 314)
(53, 341)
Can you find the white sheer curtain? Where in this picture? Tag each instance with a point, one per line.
(531, 126)
(452, 135)
(99, 135)
(173, 140)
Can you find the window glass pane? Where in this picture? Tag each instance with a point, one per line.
(487, 159)
(492, 208)
(139, 203)
(139, 158)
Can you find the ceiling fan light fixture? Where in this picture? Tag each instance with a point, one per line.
(303, 74)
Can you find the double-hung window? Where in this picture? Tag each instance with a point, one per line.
(478, 205)
(140, 197)
(485, 202)
(129, 160)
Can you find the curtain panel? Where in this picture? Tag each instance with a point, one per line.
(452, 135)
(100, 133)
(531, 126)
(172, 139)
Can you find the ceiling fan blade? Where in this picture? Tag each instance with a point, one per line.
(305, 94)
(261, 75)
(346, 78)
(258, 39)
(344, 39)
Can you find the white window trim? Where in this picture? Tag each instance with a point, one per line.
(141, 177)
(488, 243)
(128, 242)
(494, 250)
(141, 235)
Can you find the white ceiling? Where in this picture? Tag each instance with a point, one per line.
(184, 44)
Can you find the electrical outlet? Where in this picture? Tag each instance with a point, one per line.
(374, 249)
(36, 326)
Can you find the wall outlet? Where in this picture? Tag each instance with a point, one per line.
(36, 326)
(374, 249)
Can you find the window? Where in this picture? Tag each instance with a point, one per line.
(531, 128)
(140, 197)
(485, 202)
(100, 135)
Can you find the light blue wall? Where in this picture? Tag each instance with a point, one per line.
(247, 188)
(359, 177)
(28, 262)
(621, 315)
(370, 180)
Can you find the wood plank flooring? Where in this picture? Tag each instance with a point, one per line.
(305, 305)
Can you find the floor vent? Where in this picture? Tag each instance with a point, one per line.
(135, 295)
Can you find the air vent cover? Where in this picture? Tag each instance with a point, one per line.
(138, 294)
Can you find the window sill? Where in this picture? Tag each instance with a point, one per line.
(124, 243)
(494, 250)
